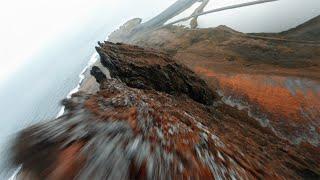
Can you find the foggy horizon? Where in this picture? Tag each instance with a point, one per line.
(269, 17)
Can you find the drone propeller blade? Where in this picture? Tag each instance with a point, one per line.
(222, 9)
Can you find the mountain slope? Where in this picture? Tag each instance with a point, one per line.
(254, 53)
(261, 71)
(309, 30)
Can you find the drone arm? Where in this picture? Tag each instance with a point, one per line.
(222, 9)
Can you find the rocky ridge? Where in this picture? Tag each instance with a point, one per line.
(150, 69)
(134, 129)
(257, 72)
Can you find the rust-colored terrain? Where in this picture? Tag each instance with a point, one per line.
(133, 129)
(274, 77)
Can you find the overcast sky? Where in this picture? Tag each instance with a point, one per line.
(29, 25)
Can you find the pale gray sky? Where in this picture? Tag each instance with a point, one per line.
(29, 25)
(270, 17)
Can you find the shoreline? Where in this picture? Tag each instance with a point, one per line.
(94, 58)
(82, 76)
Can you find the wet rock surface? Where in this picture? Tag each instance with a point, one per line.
(140, 132)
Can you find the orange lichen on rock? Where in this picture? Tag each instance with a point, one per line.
(147, 134)
(286, 108)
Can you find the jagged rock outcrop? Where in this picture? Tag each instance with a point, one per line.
(98, 74)
(122, 132)
(150, 69)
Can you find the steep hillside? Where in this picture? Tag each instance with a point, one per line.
(307, 31)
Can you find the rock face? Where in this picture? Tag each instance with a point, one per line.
(141, 132)
(150, 69)
(98, 74)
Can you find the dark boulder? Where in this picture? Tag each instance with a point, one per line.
(98, 74)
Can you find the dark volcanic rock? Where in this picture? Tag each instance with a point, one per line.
(98, 74)
(150, 69)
